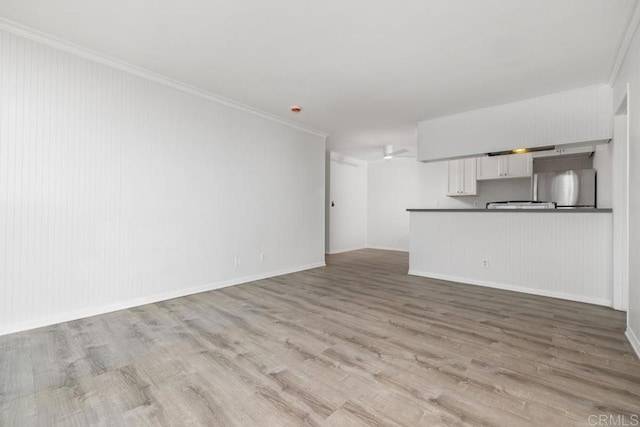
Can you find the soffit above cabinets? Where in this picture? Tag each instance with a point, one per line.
(576, 117)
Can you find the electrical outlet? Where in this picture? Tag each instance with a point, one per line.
(485, 263)
(262, 256)
(237, 260)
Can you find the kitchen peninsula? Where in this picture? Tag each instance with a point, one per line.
(562, 253)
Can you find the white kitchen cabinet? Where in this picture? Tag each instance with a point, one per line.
(499, 167)
(489, 167)
(461, 177)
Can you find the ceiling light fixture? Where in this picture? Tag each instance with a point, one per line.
(387, 152)
(295, 109)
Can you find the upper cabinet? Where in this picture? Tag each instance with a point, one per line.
(500, 167)
(461, 177)
(518, 166)
(570, 117)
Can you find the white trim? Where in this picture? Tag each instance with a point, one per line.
(386, 248)
(94, 311)
(540, 292)
(339, 251)
(633, 340)
(623, 47)
(620, 286)
(92, 55)
(625, 252)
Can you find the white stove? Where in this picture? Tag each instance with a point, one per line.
(521, 205)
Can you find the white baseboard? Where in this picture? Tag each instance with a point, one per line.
(122, 305)
(386, 248)
(339, 251)
(540, 292)
(633, 340)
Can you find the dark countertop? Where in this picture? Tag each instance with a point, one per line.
(577, 210)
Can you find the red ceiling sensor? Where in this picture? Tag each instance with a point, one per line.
(295, 109)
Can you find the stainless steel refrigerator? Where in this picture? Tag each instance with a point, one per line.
(568, 189)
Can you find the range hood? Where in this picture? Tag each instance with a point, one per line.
(551, 148)
(522, 151)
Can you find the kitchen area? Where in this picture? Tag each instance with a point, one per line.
(561, 231)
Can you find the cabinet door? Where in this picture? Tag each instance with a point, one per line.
(469, 183)
(488, 167)
(454, 180)
(461, 177)
(517, 165)
(509, 166)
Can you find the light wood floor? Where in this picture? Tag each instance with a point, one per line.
(356, 343)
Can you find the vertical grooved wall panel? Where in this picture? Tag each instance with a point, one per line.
(572, 116)
(566, 255)
(115, 189)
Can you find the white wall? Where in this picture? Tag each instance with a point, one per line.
(348, 192)
(603, 164)
(116, 190)
(630, 74)
(559, 254)
(394, 186)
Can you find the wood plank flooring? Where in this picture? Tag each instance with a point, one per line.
(355, 343)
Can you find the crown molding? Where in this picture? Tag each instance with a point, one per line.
(92, 55)
(623, 47)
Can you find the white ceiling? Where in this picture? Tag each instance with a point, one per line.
(364, 71)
